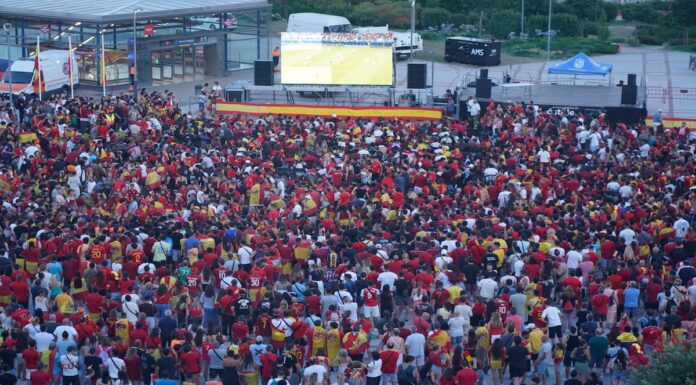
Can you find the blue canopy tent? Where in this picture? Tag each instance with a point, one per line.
(581, 64)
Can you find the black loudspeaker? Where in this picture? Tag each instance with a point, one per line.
(629, 95)
(628, 115)
(483, 88)
(235, 96)
(484, 73)
(462, 110)
(417, 75)
(632, 80)
(263, 73)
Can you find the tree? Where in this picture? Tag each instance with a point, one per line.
(501, 22)
(434, 17)
(674, 367)
(684, 12)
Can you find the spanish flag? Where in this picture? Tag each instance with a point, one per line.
(153, 180)
(468, 358)
(27, 137)
(38, 81)
(255, 195)
(5, 185)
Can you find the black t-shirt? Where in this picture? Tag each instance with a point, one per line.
(94, 362)
(572, 381)
(167, 364)
(517, 356)
(176, 240)
(8, 357)
(241, 306)
(8, 379)
(401, 286)
(470, 271)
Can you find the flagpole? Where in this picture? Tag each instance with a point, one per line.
(38, 60)
(70, 64)
(103, 66)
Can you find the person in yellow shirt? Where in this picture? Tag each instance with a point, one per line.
(535, 335)
(65, 303)
(455, 292)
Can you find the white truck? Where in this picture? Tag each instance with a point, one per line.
(55, 73)
(317, 22)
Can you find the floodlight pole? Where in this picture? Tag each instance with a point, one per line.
(8, 27)
(135, 56)
(548, 36)
(413, 27)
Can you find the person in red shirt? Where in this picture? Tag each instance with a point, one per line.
(20, 290)
(240, 329)
(190, 362)
(40, 376)
(600, 306)
(31, 358)
(466, 376)
(22, 317)
(262, 325)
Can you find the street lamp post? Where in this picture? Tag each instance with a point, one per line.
(135, 55)
(413, 27)
(8, 27)
(522, 22)
(548, 36)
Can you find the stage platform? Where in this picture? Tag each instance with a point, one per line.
(560, 95)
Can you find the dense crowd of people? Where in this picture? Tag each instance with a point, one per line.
(142, 244)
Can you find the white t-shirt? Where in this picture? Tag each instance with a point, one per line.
(69, 364)
(415, 345)
(387, 278)
(552, 314)
(628, 235)
(487, 288)
(544, 156)
(72, 333)
(464, 311)
(115, 364)
(374, 369)
(320, 370)
(43, 340)
(456, 325)
(574, 259)
(245, 253)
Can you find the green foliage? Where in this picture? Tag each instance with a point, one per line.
(565, 23)
(458, 19)
(434, 17)
(653, 34)
(674, 367)
(653, 12)
(501, 22)
(684, 12)
(603, 33)
(380, 13)
(571, 46)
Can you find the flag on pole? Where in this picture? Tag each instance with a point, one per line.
(38, 79)
(70, 67)
(102, 66)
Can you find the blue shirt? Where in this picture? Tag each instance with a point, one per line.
(631, 296)
(230, 235)
(55, 268)
(191, 242)
(165, 381)
(256, 351)
(299, 289)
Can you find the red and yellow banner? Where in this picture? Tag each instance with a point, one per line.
(329, 111)
(672, 122)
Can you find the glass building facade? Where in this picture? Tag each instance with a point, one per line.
(174, 42)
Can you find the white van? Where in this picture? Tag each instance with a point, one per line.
(317, 22)
(54, 69)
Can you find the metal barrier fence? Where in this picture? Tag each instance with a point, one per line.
(674, 93)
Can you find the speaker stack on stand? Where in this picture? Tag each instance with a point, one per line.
(483, 85)
(263, 73)
(417, 76)
(629, 92)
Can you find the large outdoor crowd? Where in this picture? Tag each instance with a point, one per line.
(142, 244)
